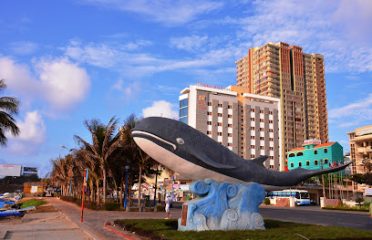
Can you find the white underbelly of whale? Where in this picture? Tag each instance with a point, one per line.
(181, 166)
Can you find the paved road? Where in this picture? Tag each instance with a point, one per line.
(314, 215)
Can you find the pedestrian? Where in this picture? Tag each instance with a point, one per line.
(168, 202)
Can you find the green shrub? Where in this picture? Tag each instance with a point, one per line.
(267, 201)
(112, 206)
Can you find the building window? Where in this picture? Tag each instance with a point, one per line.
(261, 120)
(316, 162)
(315, 151)
(300, 164)
(252, 128)
(262, 138)
(261, 129)
(300, 154)
(219, 114)
(325, 150)
(209, 123)
(219, 124)
(219, 133)
(252, 137)
(261, 147)
(209, 104)
(229, 116)
(252, 110)
(252, 119)
(229, 125)
(229, 106)
(209, 113)
(307, 163)
(209, 132)
(292, 165)
(325, 161)
(220, 105)
(229, 134)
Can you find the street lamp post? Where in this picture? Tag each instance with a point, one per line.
(156, 185)
(126, 193)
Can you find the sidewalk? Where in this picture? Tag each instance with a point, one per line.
(94, 221)
(47, 225)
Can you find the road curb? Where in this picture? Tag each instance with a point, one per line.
(108, 226)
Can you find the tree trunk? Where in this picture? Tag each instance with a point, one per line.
(91, 191)
(97, 193)
(139, 189)
(104, 185)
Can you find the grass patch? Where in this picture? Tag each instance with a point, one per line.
(32, 202)
(347, 208)
(276, 230)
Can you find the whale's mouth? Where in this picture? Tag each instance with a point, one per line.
(156, 139)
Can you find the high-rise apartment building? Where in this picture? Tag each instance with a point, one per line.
(297, 78)
(247, 124)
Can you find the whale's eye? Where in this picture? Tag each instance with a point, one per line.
(180, 141)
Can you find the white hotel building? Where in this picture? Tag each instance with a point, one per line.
(247, 124)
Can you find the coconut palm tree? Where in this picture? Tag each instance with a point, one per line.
(104, 143)
(8, 108)
(141, 161)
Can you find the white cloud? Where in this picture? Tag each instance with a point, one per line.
(167, 12)
(23, 47)
(340, 30)
(189, 43)
(160, 109)
(127, 89)
(58, 81)
(138, 64)
(63, 82)
(17, 76)
(32, 134)
(352, 114)
(32, 128)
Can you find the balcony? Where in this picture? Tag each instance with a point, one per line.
(364, 150)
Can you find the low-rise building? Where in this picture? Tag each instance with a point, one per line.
(314, 155)
(361, 152)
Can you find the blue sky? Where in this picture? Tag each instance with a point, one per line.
(72, 60)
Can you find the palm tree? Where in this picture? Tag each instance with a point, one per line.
(8, 108)
(104, 143)
(143, 163)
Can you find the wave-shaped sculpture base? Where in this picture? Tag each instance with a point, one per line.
(222, 206)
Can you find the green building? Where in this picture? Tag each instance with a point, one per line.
(315, 156)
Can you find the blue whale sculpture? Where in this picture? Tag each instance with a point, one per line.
(194, 155)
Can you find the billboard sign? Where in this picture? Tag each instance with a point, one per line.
(11, 170)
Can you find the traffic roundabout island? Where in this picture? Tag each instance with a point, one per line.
(168, 229)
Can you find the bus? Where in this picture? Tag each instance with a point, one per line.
(301, 197)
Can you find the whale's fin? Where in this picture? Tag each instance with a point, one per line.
(207, 160)
(260, 160)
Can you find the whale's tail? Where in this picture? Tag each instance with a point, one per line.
(298, 175)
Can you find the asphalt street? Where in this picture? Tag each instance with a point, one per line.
(315, 215)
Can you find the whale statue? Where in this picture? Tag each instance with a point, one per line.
(194, 155)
